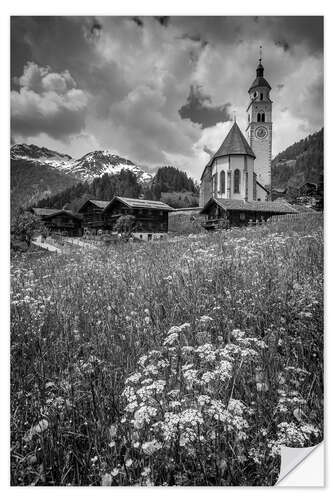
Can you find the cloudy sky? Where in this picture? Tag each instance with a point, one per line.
(160, 90)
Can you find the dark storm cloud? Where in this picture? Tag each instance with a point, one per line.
(137, 21)
(68, 43)
(286, 30)
(95, 29)
(163, 20)
(133, 74)
(283, 44)
(199, 109)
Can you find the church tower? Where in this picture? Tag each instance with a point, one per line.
(259, 127)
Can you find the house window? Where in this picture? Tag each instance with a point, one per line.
(236, 180)
(262, 117)
(222, 182)
(258, 117)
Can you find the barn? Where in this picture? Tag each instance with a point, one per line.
(222, 213)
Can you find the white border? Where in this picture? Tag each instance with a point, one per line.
(143, 7)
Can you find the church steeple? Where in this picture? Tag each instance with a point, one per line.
(260, 69)
(260, 124)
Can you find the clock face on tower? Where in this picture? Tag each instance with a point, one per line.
(261, 132)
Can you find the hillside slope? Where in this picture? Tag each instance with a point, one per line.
(30, 182)
(299, 163)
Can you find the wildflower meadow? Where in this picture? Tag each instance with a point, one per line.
(187, 361)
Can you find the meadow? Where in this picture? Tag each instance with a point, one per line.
(181, 362)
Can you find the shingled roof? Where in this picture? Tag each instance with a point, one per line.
(42, 212)
(234, 144)
(252, 206)
(139, 203)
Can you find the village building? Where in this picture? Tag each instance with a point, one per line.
(151, 217)
(223, 213)
(63, 222)
(92, 215)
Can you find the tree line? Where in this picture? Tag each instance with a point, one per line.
(168, 179)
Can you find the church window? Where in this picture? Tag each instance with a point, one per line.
(236, 180)
(261, 96)
(262, 117)
(214, 184)
(222, 182)
(258, 117)
(255, 94)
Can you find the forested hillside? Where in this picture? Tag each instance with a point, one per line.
(302, 162)
(170, 185)
(31, 182)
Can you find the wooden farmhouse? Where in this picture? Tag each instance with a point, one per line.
(221, 212)
(151, 217)
(63, 222)
(92, 212)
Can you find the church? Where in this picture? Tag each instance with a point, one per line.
(237, 178)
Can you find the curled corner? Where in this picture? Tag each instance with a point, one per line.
(292, 457)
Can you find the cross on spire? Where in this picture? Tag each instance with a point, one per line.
(260, 53)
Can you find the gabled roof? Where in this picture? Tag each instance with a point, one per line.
(44, 211)
(234, 144)
(98, 203)
(251, 206)
(51, 212)
(139, 203)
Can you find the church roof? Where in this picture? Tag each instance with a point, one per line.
(234, 144)
(260, 81)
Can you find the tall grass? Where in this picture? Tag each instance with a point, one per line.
(188, 361)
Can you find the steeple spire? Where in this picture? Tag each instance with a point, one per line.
(260, 68)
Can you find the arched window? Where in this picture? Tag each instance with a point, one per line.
(214, 184)
(222, 182)
(261, 96)
(236, 180)
(258, 117)
(262, 117)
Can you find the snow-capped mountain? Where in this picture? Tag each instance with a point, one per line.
(91, 165)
